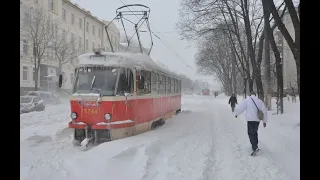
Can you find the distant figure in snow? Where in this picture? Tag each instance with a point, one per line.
(293, 97)
(288, 96)
(250, 105)
(233, 101)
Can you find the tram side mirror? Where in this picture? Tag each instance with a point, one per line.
(141, 82)
(60, 80)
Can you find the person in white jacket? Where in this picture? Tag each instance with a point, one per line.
(252, 116)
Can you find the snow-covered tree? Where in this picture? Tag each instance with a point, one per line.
(38, 28)
(66, 48)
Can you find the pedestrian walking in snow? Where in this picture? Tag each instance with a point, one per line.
(255, 112)
(233, 101)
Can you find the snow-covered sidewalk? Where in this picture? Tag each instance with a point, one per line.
(205, 141)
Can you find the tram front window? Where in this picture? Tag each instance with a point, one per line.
(104, 82)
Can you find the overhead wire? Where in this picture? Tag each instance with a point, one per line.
(166, 44)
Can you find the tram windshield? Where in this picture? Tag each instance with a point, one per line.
(105, 79)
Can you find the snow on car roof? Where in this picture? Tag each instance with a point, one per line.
(25, 97)
(44, 92)
(123, 59)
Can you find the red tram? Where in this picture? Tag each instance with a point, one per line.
(116, 95)
(206, 92)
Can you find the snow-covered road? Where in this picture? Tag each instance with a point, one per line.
(204, 142)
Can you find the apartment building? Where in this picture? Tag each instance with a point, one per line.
(79, 24)
(288, 63)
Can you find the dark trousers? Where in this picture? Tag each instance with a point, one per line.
(232, 107)
(253, 133)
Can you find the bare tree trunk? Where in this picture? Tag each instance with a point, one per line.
(35, 68)
(251, 84)
(294, 45)
(267, 71)
(298, 75)
(60, 68)
(234, 76)
(245, 87)
(276, 55)
(256, 75)
(259, 85)
(230, 86)
(267, 59)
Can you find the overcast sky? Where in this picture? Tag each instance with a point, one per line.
(163, 17)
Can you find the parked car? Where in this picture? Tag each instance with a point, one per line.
(31, 103)
(47, 97)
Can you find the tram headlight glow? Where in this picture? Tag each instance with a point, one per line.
(74, 115)
(107, 116)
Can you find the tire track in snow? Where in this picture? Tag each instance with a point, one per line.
(44, 143)
(207, 173)
(232, 148)
(180, 151)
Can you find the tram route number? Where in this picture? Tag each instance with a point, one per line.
(90, 111)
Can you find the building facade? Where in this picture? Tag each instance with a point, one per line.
(78, 24)
(288, 63)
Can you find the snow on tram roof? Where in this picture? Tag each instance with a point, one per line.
(123, 59)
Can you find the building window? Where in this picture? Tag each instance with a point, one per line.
(92, 45)
(80, 41)
(80, 23)
(34, 74)
(98, 45)
(87, 27)
(25, 73)
(99, 31)
(71, 78)
(64, 77)
(87, 44)
(72, 38)
(64, 14)
(93, 29)
(72, 18)
(25, 47)
(53, 30)
(51, 5)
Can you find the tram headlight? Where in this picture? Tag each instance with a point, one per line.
(107, 116)
(74, 115)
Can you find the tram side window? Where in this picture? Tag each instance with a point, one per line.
(179, 86)
(168, 85)
(162, 89)
(158, 82)
(175, 86)
(125, 82)
(172, 85)
(145, 78)
(154, 83)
